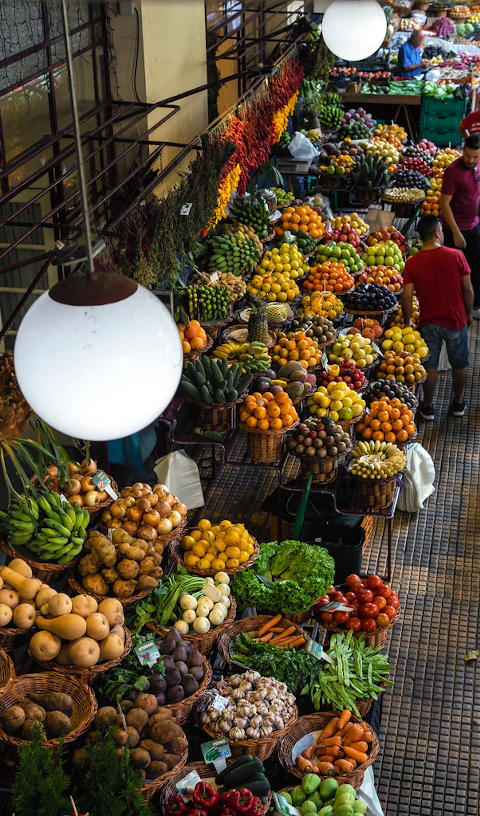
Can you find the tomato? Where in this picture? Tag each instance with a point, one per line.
(384, 590)
(327, 617)
(390, 611)
(331, 589)
(380, 601)
(368, 610)
(338, 596)
(350, 596)
(365, 596)
(341, 617)
(382, 620)
(352, 579)
(355, 624)
(369, 625)
(374, 581)
(394, 602)
(323, 601)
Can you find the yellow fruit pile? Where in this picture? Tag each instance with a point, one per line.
(354, 221)
(398, 316)
(382, 147)
(275, 275)
(392, 133)
(443, 159)
(405, 339)
(435, 185)
(336, 400)
(323, 304)
(296, 346)
(218, 546)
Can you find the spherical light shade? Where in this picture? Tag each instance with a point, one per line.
(99, 372)
(354, 29)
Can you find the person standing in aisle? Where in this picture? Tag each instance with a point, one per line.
(410, 56)
(459, 202)
(470, 125)
(440, 276)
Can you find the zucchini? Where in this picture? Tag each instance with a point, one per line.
(242, 760)
(259, 787)
(237, 776)
(205, 395)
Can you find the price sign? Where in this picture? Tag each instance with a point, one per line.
(63, 499)
(288, 237)
(216, 751)
(214, 277)
(188, 783)
(336, 606)
(284, 807)
(103, 482)
(219, 702)
(186, 208)
(316, 650)
(148, 653)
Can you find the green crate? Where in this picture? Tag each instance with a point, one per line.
(441, 136)
(444, 107)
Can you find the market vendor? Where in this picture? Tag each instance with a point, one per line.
(440, 276)
(410, 56)
(459, 203)
(470, 125)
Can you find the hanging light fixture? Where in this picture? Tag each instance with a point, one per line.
(354, 29)
(81, 347)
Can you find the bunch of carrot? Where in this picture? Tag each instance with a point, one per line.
(275, 633)
(338, 749)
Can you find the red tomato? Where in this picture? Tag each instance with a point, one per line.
(382, 620)
(323, 601)
(390, 611)
(352, 579)
(369, 625)
(380, 601)
(331, 589)
(327, 617)
(374, 581)
(350, 596)
(394, 602)
(338, 596)
(365, 596)
(384, 590)
(341, 617)
(355, 624)
(368, 610)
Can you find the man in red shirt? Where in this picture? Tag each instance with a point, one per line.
(459, 204)
(470, 125)
(440, 277)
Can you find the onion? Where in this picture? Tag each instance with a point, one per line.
(171, 499)
(146, 532)
(134, 513)
(89, 467)
(52, 471)
(129, 501)
(75, 487)
(87, 484)
(73, 468)
(115, 524)
(77, 499)
(130, 527)
(153, 499)
(162, 487)
(138, 486)
(143, 504)
(137, 493)
(164, 526)
(102, 496)
(180, 507)
(91, 498)
(118, 511)
(163, 508)
(175, 518)
(152, 518)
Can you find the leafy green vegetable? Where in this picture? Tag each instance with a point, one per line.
(303, 572)
(41, 785)
(118, 681)
(160, 603)
(288, 665)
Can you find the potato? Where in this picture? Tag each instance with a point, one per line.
(165, 731)
(119, 736)
(12, 718)
(84, 605)
(9, 597)
(44, 646)
(54, 701)
(84, 652)
(111, 648)
(81, 760)
(21, 566)
(126, 705)
(113, 611)
(133, 736)
(5, 614)
(24, 616)
(59, 604)
(27, 729)
(43, 595)
(137, 718)
(171, 760)
(140, 758)
(98, 626)
(157, 769)
(127, 569)
(57, 724)
(148, 702)
(179, 744)
(105, 717)
(155, 750)
(95, 584)
(146, 582)
(33, 711)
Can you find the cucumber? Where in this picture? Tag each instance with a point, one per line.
(259, 787)
(236, 777)
(205, 395)
(190, 390)
(216, 375)
(242, 760)
(220, 396)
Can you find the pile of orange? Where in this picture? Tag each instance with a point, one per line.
(268, 411)
(431, 205)
(193, 336)
(401, 366)
(296, 346)
(383, 275)
(330, 276)
(387, 420)
(301, 218)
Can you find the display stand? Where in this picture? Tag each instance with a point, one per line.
(402, 103)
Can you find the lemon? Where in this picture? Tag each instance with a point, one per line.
(218, 564)
(188, 542)
(204, 563)
(196, 534)
(200, 548)
(232, 563)
(204, 524)
(191, 560)
(335, 415)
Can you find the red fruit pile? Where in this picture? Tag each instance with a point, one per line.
(349, 374)
(346, 234)
(367, 327)
(412, 163)
(430, 147)
(374, 603)
(389, 234)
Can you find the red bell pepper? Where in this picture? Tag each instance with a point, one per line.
(196, 811)
(204, 796)
(227, 811)
(257, 807)
(246, 798)
(230, 798)
(177, 807)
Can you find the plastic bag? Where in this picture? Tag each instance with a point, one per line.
(417, 480)
(180, 474)
(301, 148)
(368, 793)
(443, 364)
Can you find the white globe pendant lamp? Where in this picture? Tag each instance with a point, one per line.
(97, 357)
(354, 29)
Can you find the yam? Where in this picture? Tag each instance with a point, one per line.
(124, 589)
(57, 724)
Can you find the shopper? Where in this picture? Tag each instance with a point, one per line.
(470, 125)
(410, 56)
(440, 277)
(459, 203)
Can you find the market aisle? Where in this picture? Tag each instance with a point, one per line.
(429, 762)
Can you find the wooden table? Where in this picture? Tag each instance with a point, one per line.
(402, 102)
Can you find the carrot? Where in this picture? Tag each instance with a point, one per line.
(298, 640)
(268, 625)
(265, 638)
(360, 746)
(277, 629)
(285, 633)
(344, 719)
(358, 756)
(344, 765)
(325, 769)
(367, 735)
(334, 751)
(336, 740)
(354, 733)
(330, 729)
(308, 752)
(304, 764)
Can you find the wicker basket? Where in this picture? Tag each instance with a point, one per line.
(366, 195)
(374, 494)
(165, 539)
(202, 642)
(11, 639)
(405, 209)
(220, 417)
(247, 625)
(7, 670)
(206, 774)
(150, 787)
(98, 507)
(324, 470)
(312, 724)
(192, 356)
(212, 327)
(75, 584)
(46, 572)
(181, 711)
(84, 702)
(348, 425)
(243, 327)
(88, 674)
(377, 638)
(266, 446)
(261, 747)
(176, 554)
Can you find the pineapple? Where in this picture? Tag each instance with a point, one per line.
(258, 323)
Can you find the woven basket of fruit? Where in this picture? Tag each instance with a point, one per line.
(239, 334)
(375, 468)
(320, 445)
(215, 388)
(177, 553)
(203, 642)
(252, 626)
(194, 355)
(369, 598)
(406, 209)
(266, 418)
(49, 573)
(265, 445)
(330, 181)
(374, 495)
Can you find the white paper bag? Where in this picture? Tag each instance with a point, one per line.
(368, 793)
(180, 473)
(417, 480)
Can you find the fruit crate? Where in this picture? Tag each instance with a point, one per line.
(442, 135)
(443, 108)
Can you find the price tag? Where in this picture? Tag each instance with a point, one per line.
(336, 606)
(147, 653)
(186, 208)
(316, 650)
(216, 751)
(103, 482)
(325, 362)
(110, 533)
(284, 807)
(288, 237)
(219, 702)
(63, 499)
(275, 215)
(214, 277)
(188, 783)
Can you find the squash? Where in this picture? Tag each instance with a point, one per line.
(98, 626)
(43, 595)
(44, 646)
(84, 605)
(63, 657)
(84, 652)
(21, 566)
(68, 627)
(26, 587)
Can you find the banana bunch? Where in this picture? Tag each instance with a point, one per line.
(253, 213)
(242, 229)
(376, 460)
(51, 530)
(251, 356)
(232, 253)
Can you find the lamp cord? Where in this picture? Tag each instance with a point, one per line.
(78, 141)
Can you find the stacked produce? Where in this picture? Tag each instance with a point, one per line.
(319, 328)
(403, 195)
(405, 339)
(52, 709)
(268, 411)
(192, 335)
(339, 165)
(345, 234)
(346, 372)
(417, 163)
(120, 567)
(431, 205)
(284, 197)
(234, 285)
(382, 275)
(427, 146)
(409, 179)
(347, 146)
(146, 512)
(224, 545)
(443, 158)
(288, 663)
(371, 600)
(204, 798)
(329, 276)
(321, 304)
(324, 793)
(19, 594)
(217, 381)
(233, 253)
(305, 242)
(387, 419)
(388, 234)
(401, 366)
(302, 217)
(278, 285)
(331, 110)
(357, 124)
(383, 148)
(342, 252)
(250, 357)
(337, 401)
(376, 460)
(367, 327)
(391, 389)
(48, 528)
(384, 253)
(353, 347)
(286, 258)
(296, 346)
(353, 221)
(398, 320)
(253, 213)
(372, 171)
(203, 302)
(227, 228)
(314, 439)
(418, 152)
(396, 133)
(292, 377)
(338, 749)
(369, 297)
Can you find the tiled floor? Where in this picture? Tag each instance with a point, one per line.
(429, 762)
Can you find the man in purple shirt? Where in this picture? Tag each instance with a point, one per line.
(459, 204)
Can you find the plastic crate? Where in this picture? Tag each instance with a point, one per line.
(444, 107)
(441, 135)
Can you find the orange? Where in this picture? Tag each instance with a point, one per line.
(386, 427)
(260, 413)
(377, 436)
(402, 436)
(273, 410)
(186, 346)
(251, 422)
(268, 396)
(390, 437)
(276, 424)
(197, 343)
(263, 424)
(397, 424)
(375, 425)
(282, 398)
